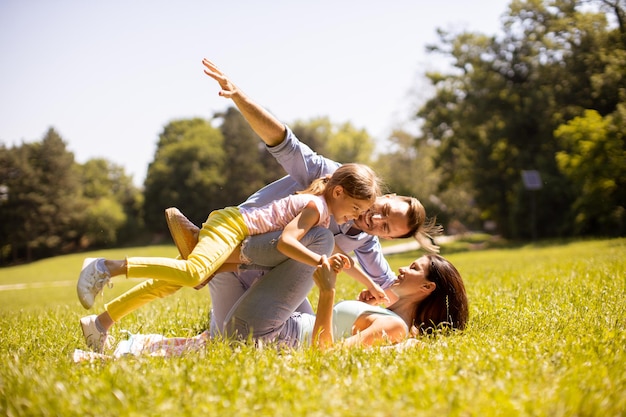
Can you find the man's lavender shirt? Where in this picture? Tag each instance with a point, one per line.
(303, 166)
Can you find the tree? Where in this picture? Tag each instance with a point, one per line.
(41, 200)
(315, 133)
(188, 171)
(407, 168)
(340, 142)
(113, 204)
(594, 159)
(249, 166)
(496, 114)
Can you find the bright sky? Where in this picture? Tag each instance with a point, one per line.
(109, 75)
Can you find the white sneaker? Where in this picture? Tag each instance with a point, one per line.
(95, 339)
(90, 282)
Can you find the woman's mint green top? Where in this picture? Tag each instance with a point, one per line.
(345, 314)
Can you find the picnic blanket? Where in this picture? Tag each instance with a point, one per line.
(159, 345)
(148, 344)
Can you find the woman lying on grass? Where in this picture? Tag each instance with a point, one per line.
(426, 295)
(430, 292)
(430, 295)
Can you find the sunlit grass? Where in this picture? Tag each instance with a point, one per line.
(546, 338)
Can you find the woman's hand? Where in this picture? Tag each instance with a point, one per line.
(325, 276)
(228, 88)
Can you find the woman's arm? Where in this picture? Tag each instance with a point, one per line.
(368, 329)
(270, 129)
(325, 278)
(371, 329)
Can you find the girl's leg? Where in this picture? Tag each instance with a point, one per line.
(264, 310)
(95, 328)
(137, 297)
(220, 235)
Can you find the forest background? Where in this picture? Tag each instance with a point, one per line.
(523, 138)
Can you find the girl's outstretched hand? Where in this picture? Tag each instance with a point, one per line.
(339, 261)
(228, 88)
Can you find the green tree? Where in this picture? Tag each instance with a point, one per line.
(315, 133)
(113, 213)
(188, 171)
(407, 168)
(249, 166)
(349, 144)
(496, 114)
(594, 159)
(41, 199)
(340, 142)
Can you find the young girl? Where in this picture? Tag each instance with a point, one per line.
(346, 194)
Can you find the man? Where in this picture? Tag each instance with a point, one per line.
(390, 217)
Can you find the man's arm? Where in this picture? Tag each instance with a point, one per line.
(264, 124)
(302, 165)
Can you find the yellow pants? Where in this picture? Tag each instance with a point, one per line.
(223, 231)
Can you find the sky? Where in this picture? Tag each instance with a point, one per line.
(108, 76)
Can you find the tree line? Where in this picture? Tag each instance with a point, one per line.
(547, 95)
(50, 204)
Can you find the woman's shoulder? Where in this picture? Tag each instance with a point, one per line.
(367, 316)
(359, 307)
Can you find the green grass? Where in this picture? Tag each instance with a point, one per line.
(547, 337)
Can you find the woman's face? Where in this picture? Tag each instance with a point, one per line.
(412, 278)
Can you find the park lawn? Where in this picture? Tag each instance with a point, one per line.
(546, 338)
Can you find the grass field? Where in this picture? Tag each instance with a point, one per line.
(547, 337)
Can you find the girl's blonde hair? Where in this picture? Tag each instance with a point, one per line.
(357, 180)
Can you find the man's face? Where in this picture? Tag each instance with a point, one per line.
(386, 218)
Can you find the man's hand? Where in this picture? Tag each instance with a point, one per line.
(367, 297)
(228, 89)
(377, 294)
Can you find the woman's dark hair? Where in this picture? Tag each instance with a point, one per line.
(446, 306)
